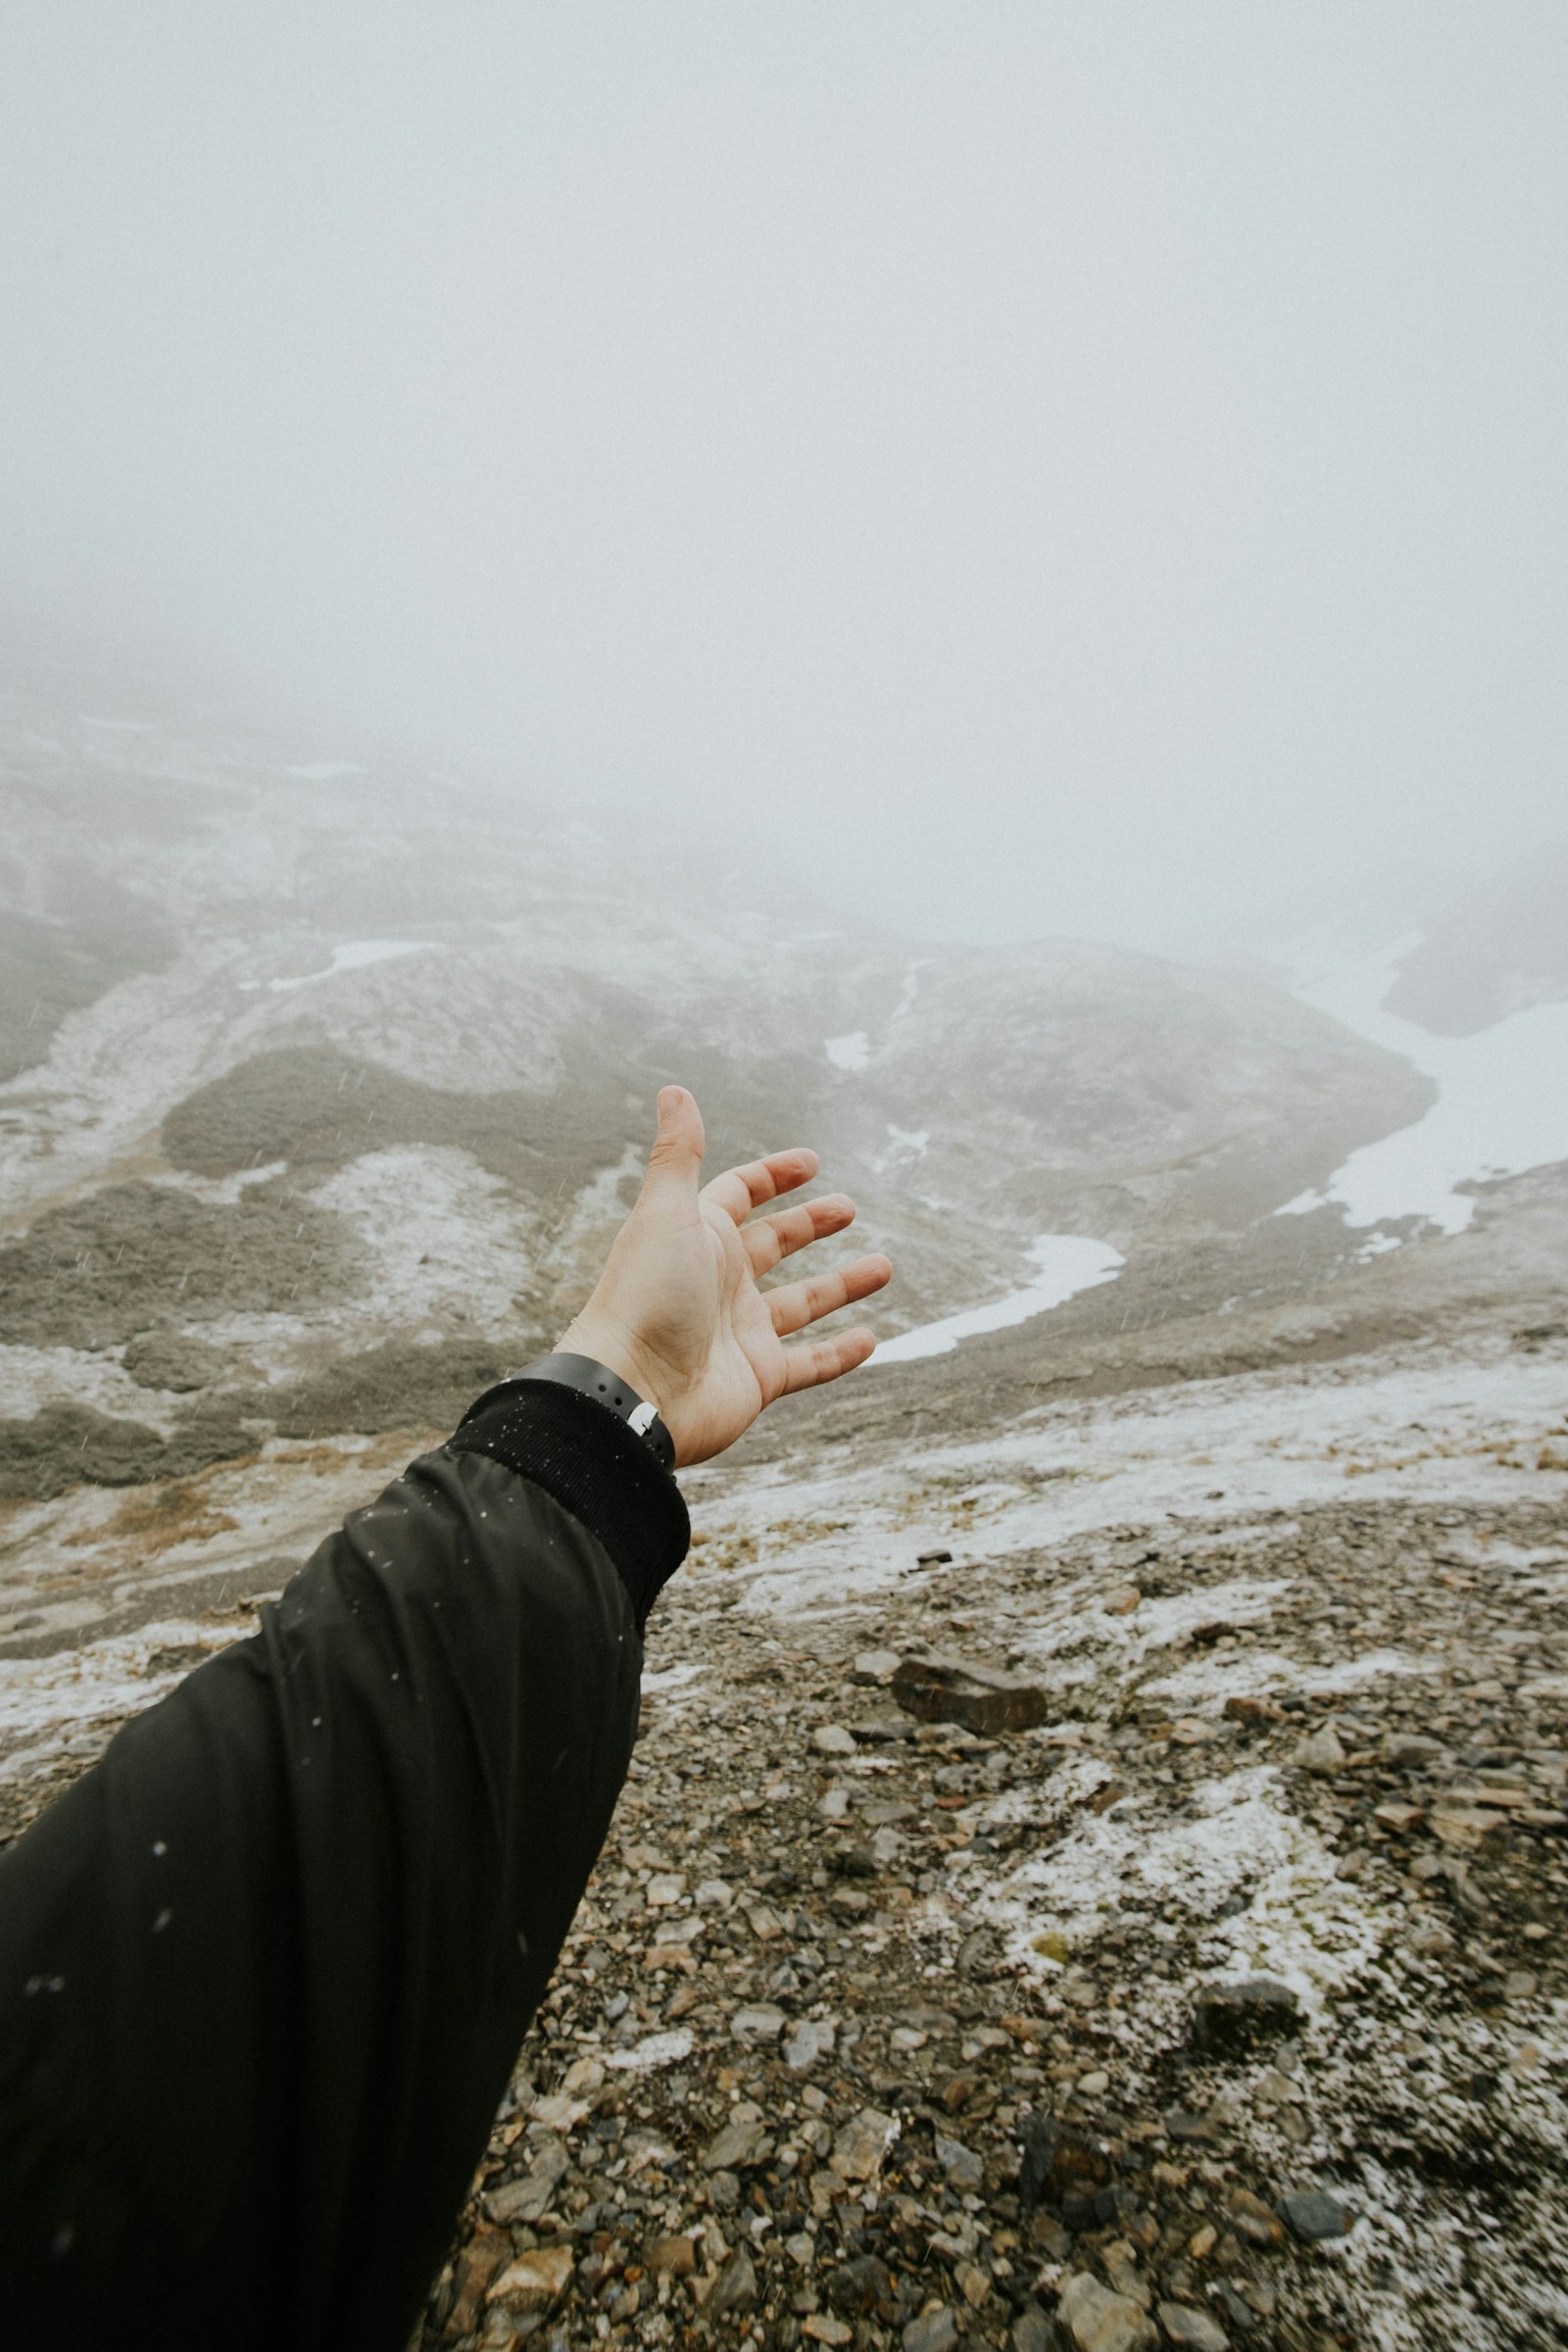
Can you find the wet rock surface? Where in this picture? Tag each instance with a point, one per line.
(915, 2058)
(940, 1689)
(893, 2039)
(880, 2028)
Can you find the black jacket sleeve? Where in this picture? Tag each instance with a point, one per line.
(264, 1969)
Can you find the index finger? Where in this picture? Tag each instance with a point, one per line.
(741, 1189)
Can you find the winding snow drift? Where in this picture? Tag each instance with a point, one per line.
(853, 1052)
(1502, 1106)
(1067, 1264)
(354, 957)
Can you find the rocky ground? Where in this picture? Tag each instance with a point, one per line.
(1224, 2004)
(884, 2032)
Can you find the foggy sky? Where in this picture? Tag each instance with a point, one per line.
(1051, 468)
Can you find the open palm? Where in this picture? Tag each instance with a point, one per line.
(677, 1312)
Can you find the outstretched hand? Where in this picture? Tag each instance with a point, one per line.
(678, 1312)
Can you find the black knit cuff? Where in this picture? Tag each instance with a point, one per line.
(586, 1458)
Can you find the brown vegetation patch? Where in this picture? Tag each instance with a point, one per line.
(65, 1446)
(50, 968)
(318, 1108)
(379, 1388)
(175, 1512)
(173, 1361)
(99, 1270)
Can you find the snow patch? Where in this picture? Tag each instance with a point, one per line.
(113, 1678)
(1155, 1624)
(31, 1378)
(1223, 1675)
(1067, 1264)
(850, 1053)
(354, 957)
(449, 1246)
(1276, 1440)
(910, 989)
(907, 1146)
(670, 1677)
(1303, 1925)
(1502, 1106)
(656, 2049)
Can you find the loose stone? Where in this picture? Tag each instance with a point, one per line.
(863, 2143)
(1230, 2018)
(1313, 2215)
(932, 2332)
(535, 2282)
(1184, 2325)
(1097, 2321)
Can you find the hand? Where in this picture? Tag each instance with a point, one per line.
(678, 1312)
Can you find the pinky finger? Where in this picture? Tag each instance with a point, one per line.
(826, 1359)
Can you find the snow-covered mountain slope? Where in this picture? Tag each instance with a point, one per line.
(1494, 951)
(1476, 998)
(314, 1059)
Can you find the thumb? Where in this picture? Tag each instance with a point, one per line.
(675, 1162)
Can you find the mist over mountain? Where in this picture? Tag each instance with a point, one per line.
(1231, 1305)
(984, 588)
(1492, 950)
(425, 1018)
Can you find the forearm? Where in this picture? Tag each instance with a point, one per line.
(303, 1910)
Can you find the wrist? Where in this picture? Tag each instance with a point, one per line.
(593, 1336)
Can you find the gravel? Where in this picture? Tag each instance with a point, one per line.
(904, 2119)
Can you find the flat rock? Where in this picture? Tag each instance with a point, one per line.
(812, 2039)
(1320, 1752)
(762, 2023)
(526, 2199)
(1311, 2215)
(735, 2287)
(535, 2282)
(1243, 1707)
(932, 2332)
(1120, 2264)
(1251, 2219)
(676, 2255)
(861, 2285)
(1229, 2017)
(742, 2142)
(1057, 2162)
(1188, 2124)
(1410, 1752)
(1183, 2324)
(949, 1689)
(1465, 1825)
(874, 1667)
(964, 2169)
(863, 2143)
(1097, 2321)
(833, 1740)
